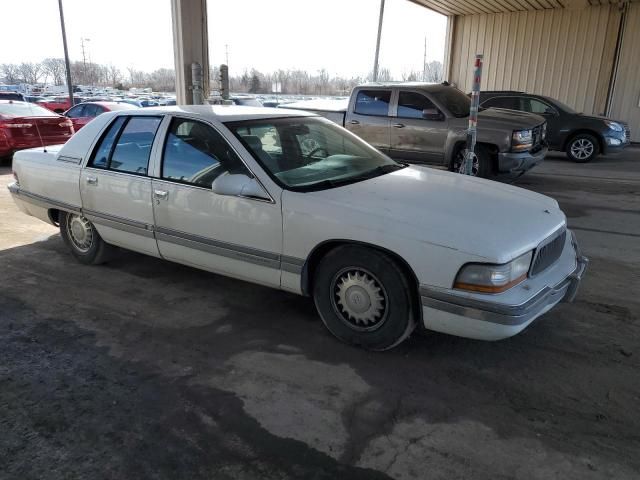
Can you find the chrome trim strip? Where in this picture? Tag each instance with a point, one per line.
(119, 223)
(68, 159)
(292, 264)
(42, 201)
(236, 252)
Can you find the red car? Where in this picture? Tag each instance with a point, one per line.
(83, 113)
(56, 104)
(27, 125)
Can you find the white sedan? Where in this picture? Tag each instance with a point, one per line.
(290, 200)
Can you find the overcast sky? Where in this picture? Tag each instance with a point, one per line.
(338, 35)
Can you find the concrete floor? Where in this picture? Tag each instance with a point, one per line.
(146, 369)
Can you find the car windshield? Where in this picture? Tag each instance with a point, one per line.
(24, 109)
(453, 100)
(310, 153)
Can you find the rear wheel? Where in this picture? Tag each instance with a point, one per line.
(83, 239)
(364, 298)
(583, 148)
(482, 166)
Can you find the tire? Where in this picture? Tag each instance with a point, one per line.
(483, 167)
(369, 284)
(583, 148)
(89, 251)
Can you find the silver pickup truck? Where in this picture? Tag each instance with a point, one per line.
(427, 123)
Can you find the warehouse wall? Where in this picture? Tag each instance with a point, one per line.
(625, 103)
(564, 53)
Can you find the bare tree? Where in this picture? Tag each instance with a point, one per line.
(10, 73)
(30, 72)
(55, 68)
(433, 71)
(114, 75)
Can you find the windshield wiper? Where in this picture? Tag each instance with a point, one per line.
(375, 172)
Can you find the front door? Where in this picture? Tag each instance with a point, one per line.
(231, 235)
(115, 188)
(555, 132)
(368, 117)
(419, 131)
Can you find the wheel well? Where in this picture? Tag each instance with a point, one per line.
(318, 253)
(587, 132)
(54, 216)
(490, 147)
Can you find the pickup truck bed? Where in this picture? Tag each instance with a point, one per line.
(334, 110)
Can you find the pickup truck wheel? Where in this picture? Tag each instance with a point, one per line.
(83, 239)
(583, 148)
(364, 298)
(481, 165)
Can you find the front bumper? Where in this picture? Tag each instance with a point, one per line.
(486, 319)
(616, 142)
(518, 163)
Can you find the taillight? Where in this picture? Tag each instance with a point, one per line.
(66, 123)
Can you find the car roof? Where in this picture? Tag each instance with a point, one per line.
(424, 86)
(221, 113)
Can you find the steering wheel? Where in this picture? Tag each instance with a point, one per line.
(315, 150)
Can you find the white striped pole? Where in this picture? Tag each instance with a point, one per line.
(473, 115)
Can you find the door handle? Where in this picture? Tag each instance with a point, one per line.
(354, 122)
(398, 125)
(92, 180)
(161, 194)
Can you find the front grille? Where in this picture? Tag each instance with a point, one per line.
(537, 136)
(547, 253)
(627, 133)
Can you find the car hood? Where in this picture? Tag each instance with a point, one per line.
(481, 217)
(507, 119)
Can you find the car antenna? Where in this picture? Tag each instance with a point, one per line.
(44, 147)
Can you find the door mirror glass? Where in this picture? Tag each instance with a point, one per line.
(431, 114)
(238, 185)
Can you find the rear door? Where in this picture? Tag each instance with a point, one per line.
(115, 187)
(368, 117)
(419, 130)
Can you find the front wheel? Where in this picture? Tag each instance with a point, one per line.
(364, 298)
(82, 238)
(583, 148)
(481, 163)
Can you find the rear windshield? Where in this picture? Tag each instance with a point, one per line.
(23, 109)
(10, 96)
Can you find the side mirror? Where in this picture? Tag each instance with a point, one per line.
(431, 114)
(238, 185)
(550, 111)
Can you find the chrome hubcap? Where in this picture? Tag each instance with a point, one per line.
(582, 148)
(80, 232)
(460, 166)
(359, 299)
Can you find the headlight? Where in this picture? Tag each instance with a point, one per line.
(615, 126)
(544, 130)
(522, 140)
(490, 278)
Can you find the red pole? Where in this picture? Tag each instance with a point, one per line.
(473, 115)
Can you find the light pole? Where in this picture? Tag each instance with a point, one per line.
(66, 53)
(84, 59)
(375, 61)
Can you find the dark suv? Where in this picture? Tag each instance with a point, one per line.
(583, 137)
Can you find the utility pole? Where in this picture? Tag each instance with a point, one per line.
(66, 53)
(424, 61)
(226, 53)
(84, 60)
(375, 61)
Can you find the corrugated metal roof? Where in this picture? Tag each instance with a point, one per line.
(475, 7)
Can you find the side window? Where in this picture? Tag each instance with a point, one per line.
(90, 111)
(76, 112)
(133, 147)
(412, 105)
(511, 103)
(101, 154)
(373, 102)
(196, 154)
(536, 106)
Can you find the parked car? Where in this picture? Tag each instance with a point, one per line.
(33, 99)
(581, 136)
(83, 113)
(379, 245)
(56, 104)
(142, 103)
(7, 95)
(27, 125)
(427, 123)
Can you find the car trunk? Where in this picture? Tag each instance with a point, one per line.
(33, 131)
